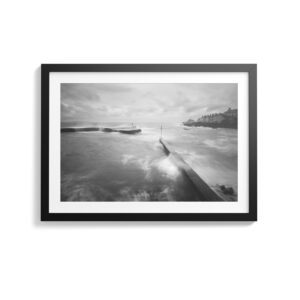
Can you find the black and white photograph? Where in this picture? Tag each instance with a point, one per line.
(149, 142)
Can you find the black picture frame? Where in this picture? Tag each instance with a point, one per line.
(251, 69)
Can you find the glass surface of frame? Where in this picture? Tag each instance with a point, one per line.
(149, 142)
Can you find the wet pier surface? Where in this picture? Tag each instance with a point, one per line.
(201, 186)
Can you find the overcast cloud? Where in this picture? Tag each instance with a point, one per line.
(146, 102)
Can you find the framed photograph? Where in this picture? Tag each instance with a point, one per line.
(154, 142)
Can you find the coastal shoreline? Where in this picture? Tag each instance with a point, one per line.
(210, 125)
(226, 119)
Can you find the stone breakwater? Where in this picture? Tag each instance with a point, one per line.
(106, 129)
(79, 129)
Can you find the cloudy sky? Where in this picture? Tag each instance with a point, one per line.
(144, 102)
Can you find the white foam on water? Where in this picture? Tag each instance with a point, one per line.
(168, 168)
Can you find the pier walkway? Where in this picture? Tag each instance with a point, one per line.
(201, 186)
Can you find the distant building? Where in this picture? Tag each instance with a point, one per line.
(231, 112)
(213, 118)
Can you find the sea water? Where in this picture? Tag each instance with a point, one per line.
(111, 166)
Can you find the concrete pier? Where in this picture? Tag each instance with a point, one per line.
(201, 186)
(127, 130)
(79, 129)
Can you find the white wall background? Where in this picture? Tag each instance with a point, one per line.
(150, 261)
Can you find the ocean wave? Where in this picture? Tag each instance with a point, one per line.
(164, 165)
(142, 195)
(167, 167)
